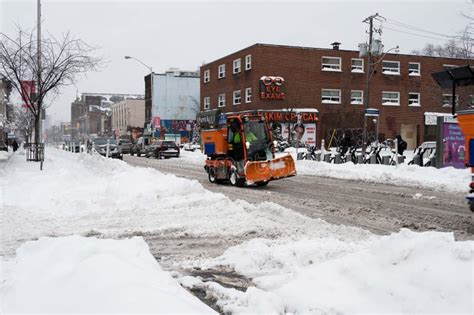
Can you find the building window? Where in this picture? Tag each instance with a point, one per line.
(329, 96)
(221, 100)
(207, 76)
(414, 99)
(331, 64)
(248, 62)
(237, 97)
(448, 100)
(207, 102)
(391, 98)
(237, 65)
(357, 97)
(391, 67)
(357, 65)
(248, 95)
(221, 72)
(414, 69)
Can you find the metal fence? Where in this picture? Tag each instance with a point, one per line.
(35, 153)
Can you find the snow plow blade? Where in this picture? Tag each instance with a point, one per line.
(262, 171)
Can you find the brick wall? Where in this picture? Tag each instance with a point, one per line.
(304, 79)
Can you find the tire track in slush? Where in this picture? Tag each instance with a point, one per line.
(380, 208)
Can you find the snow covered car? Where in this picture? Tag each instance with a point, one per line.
(100, 146)
(191, 146)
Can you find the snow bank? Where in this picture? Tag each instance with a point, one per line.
(89, 195)
(84, 275)
(448, 178)
(4, 155)
(406, 272)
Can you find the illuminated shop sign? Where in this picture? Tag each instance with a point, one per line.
(272, 88)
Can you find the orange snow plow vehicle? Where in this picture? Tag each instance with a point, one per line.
(240, 150)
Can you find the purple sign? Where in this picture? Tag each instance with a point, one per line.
(453, 146)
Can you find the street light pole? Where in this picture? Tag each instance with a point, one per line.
(151, 79)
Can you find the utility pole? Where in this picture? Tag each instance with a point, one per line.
(369, 20)
(38, 100)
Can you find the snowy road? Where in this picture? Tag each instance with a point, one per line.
(380, 208)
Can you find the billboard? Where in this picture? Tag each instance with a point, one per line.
(453, 145)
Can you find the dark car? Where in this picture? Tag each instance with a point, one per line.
(163, 149)
(125, 145)
(100, 146)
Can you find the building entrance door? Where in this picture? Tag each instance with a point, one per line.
(409, 134)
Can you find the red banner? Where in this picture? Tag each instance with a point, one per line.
(27, 88)
(156, 122)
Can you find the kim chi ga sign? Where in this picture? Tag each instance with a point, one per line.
(272, 88)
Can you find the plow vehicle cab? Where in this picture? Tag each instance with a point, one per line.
(240, 150)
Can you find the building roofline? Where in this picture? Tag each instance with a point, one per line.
(323, 49)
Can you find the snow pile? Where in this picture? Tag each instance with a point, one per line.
(84, 275)
(448, 178)
(91, 195)
(406, 272)
(4, 155)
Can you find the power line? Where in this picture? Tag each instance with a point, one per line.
(419, 35)
(415, 28)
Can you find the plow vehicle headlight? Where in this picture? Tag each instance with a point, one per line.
(275, 143)
(247, 144)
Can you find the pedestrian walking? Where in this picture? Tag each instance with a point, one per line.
(14, 145)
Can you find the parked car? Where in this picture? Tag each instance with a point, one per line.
(100, 146)
(163, 149)
(191, 146)
(140, 146)
(125, 145)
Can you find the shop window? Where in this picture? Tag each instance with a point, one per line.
(414, 99)
(391, 98)
(207, 102)
(414, 69)
(221, 71)
(207, 76)
(357, 97)
(221, 100)
(236, 65)
(391, 67)
(357, 65)
(237, 97)
(329, 96)
(331, 64)
(248, 95)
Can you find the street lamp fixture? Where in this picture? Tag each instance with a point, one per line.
(151, 79)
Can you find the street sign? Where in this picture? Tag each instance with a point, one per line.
(371, 112)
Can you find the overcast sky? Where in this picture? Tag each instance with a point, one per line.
(186, 34)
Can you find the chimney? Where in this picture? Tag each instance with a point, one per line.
(335, 45)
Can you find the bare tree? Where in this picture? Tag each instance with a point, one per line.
(24, 122)
(61, 61)
(461, 46)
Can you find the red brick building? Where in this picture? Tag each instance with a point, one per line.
(332, 82)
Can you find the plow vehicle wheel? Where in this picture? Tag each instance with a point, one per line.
(235, 180)
(212, 175)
